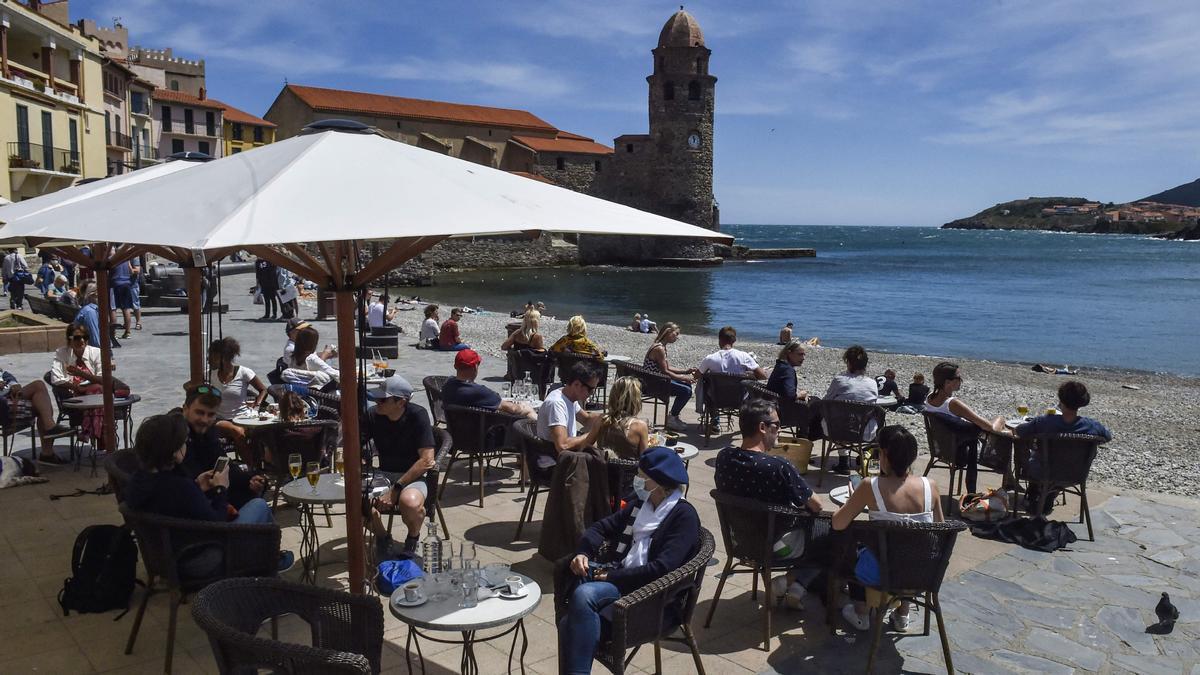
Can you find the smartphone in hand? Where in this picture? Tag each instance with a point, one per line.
(855, 481)
(222, 462)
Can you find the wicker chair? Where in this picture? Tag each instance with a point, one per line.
(308, 439)
(433, 390)
(539, 366)
(539, 479)
(656, 387)
(443, 445)
(650, 614)
(120, 466)
(620, 480)
(848, 426)
(723, 394)
(750, 529)
(1065, 461)
(912, 563)
(565, 360)
(948, 446)
(347, 630)
(471, 429)
(246, 551)
(792, 415)
(15, 426)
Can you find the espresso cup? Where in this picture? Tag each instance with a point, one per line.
(515, 584)
(412, 592)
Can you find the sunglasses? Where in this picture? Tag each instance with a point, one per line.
(207, 390)
(78, 338)
(773, 425)
(590, 388)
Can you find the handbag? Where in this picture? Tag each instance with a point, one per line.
(22, 277)
(984, 507)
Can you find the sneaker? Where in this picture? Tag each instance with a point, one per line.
(794, 598)
(675, 424)
(410, 544)
(286, 560)
(779, 588)
(842, 467)
(900, 621)
(852, 617)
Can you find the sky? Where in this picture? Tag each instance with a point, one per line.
(842, 112)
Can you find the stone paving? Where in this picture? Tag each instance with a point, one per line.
(1007, 609)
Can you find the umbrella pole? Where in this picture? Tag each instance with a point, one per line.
(192, 276)
(106, 379)
(350, 436)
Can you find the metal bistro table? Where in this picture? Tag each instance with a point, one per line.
(686, 452)
(122, 410)
(331, 489)
(446, 616)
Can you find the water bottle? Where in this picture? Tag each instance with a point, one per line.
(529, 387)
(431, 550)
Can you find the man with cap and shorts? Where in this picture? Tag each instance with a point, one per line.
(462, 389)
(403, 439)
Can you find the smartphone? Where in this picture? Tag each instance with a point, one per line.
(222, 462)
(855, 480)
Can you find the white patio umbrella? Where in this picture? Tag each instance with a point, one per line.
(334, 190)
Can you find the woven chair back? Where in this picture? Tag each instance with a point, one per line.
(1067, 458)
(653, 617)
(947, 443)
(912, 556)
(750, 527)
(120, 466)
(433, 390)
(851, 421)
(532, 448)
(539, 366)
(654, 385)
(472, 427)
(723, 391)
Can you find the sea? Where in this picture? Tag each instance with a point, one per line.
(1111, 301)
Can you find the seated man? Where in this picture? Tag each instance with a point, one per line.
(403, 439)
(378, 313)
(560, 414)
(200, 405)
(729, 360)
(448, 339)
(1072, 395)
(747, 471)
(31, 400)
(463, 390)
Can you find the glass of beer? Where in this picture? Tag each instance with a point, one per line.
(339, 462)
(314, 475)
(295, 463)
(1023, 411)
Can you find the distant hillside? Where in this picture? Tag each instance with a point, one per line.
(1187, 194)
(1077, 214)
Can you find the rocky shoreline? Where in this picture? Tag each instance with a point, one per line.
(1156, 427)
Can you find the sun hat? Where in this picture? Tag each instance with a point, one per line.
(393, 387)
(662, 465)
(293, 324)
(467, 358)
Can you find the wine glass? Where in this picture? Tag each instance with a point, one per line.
(314, 475)
(295, 463)
(1023, 411)
(339, 462)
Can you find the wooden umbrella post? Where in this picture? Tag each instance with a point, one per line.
(100, 256)
(193, 277)
(351, 450)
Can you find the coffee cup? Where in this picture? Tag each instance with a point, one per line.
(672, 439)
(412, 592)
(515, 584)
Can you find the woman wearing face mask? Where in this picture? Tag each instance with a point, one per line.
(657, 533)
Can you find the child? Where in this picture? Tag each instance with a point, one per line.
(917, 393)
(889, 387)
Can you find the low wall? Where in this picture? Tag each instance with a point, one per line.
(487, 253)
(36, 334)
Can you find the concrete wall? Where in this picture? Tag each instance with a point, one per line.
(489, 253)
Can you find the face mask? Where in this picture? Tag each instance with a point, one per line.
(639, 487)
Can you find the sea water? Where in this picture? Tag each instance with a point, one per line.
(1093, 300)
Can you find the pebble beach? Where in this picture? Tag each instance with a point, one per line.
(1155, 426)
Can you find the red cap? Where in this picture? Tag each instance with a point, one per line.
(467, 358)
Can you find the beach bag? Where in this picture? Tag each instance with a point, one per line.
(22, 277)
(395, 573)
(984, 507)
(103, 571)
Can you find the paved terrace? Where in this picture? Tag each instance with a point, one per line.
(1007, 609)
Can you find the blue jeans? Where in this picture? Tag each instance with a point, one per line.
(255, 512)
(455, 348)
(579, 630)
(682, 391)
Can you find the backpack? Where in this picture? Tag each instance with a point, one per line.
(103, 571)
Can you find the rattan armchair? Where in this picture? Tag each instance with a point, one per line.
(433, 390)
(949, 445)
(120, 466)
(912, 564)
(540, 479)
(1064, 462)
(849, 425)
(750, 529)
(346, 630)
(723, 395)
(308, 439)
(443, 446)
(478, 434)
(565, 360)
(793, 415)
(656, 387)
(167, 543)
(539, 366)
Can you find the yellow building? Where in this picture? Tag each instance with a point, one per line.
(51, 104)
(243, 131)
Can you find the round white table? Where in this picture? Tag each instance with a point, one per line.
(95, 401)
(331, 489)
(613, 358)
(446, 616)
(254, 422)
(840, 494)
(686, 452)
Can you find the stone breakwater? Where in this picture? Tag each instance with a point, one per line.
(1156, 427)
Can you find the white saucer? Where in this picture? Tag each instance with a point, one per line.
(512, 596)
(401, 602)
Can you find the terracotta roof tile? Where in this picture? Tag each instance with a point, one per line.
(233, 114)
(568, 144)
(337, 100)
(186, 99)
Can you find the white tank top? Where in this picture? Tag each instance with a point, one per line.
(882, 513)
(944, 408)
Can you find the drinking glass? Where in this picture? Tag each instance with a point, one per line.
(1023, 411)
(295, 463)
(470, 584)
(339, 462)
(314, 475)
(506, 391)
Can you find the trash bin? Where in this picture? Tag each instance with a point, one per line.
(326, 305)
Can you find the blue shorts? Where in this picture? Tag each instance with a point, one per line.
(122, 297)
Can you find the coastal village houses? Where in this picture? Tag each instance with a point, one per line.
(187, 123)
(243, 131)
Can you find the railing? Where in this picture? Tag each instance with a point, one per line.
(120, 140)
(145, 152)
(179, 126)
(34, 156)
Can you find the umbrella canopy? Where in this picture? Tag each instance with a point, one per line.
(333, 186)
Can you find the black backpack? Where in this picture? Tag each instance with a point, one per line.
(103, 571)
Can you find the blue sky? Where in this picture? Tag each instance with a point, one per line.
(838, 112)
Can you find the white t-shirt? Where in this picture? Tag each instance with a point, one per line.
(234, 392)
(645, 326)
(729, 361)
(556, 411)
(314, 363)
(429, 329)
(375, 315)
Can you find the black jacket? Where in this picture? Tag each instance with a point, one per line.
(676, 541)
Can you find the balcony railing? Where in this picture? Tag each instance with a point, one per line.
(34, 156)
(120, 140)
(198, 128)
(145, 152)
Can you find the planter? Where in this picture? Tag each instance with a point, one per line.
(22, 333)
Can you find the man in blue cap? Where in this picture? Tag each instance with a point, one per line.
(657, 533)
(403, 439)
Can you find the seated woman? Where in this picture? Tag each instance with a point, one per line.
(664, 533)
(636, 326)
(681, 380)
(527, 336)
(783, 377)
(895, 495)
(576, 340)
(429, 328)
(235, 381)
(621, 431)
(76, 370)
(292, 408)
(947, 379)
(159, 486)
(308, 367)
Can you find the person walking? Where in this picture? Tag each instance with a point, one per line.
(16, 275)
(268, 285)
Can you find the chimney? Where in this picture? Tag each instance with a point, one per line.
(202, 92)
(35, 5)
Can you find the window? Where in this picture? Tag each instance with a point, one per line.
(137, 101)
(204, 148)
(237, 131)
(258, 135)
(73, 132)
(176, 145)
(210, 123)
(699, 65)
(669, 91)
(597, 166)
(236, 150)
(174, 85)
(47, 140)
(166, 118)
(693, 91)
(561, 164)
(189, 121)
(23, 132)
(117, 125)
(629, 147)
(107, 124)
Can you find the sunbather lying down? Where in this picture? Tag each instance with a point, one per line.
(1043, 368)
